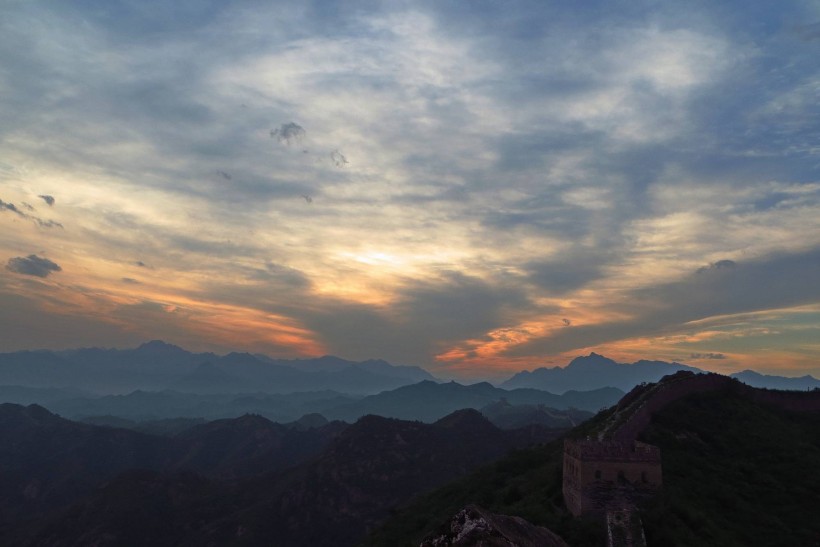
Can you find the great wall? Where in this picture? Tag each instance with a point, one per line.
(608, 475)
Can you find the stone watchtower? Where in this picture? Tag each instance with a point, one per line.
(601, 476)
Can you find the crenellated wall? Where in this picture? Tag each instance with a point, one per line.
(615, 469)
(681, 384)
(595, 472)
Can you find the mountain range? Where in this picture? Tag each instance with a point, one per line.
(428, 401)
(156, 365)
(240, 481)
(737, 470)
(595, 371)
(425, 401)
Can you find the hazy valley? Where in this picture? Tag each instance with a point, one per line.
(189, 457)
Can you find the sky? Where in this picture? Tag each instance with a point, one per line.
(473, 187)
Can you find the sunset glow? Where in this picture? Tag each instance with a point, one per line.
(473, 192)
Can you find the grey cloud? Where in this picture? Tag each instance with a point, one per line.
(224, 175)
(13, 208)
(427, 318)
(572, 269)
(707, 356)
(566, 322)
(809, 33)
(39, 221)
(281, 274)
(27, 326)
(773, 282)
(338, 159)
(175, 110)
(47, 223)
(141, 264)
(48, 199)
(289, 133)
(32, 265)
(131, 281)
(720, 264)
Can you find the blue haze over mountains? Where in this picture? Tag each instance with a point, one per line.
(594, 371)
(159, 381)
(156, 366)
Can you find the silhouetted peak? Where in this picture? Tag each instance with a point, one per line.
(158, 346)
(310, 421)
(240, 357)
(38, 412)
(466, 418)
(424, 385)
(498, 405)
(371, 420)
(31, 414)
(333, 360)
(593, 359)
(251, 420)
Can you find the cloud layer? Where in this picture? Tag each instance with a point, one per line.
(473, 188)
(32, 265)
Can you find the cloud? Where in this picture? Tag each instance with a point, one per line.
(11, 207)
(131, 281)
(718, 265)
(809, 32)
(570, 269)
(47, 223)
(425, 318)
(566, 322)
(48, 199)
(586, 160)
(707, 356)
(338, 159)
(773, 282)
(289, 133)
(39, 221)
(32, 265)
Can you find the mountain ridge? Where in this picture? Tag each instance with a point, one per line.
(156, 365)
(594, 371)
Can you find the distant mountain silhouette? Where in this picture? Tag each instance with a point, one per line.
(508, 416)
(156, 365)
(755, 379)
(208, 378)
(428, 401)
(595, 371)
(592, 372)
(146, 406)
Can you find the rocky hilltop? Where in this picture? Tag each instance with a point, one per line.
(474, 526)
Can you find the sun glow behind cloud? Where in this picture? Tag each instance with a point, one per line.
(471, 190)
